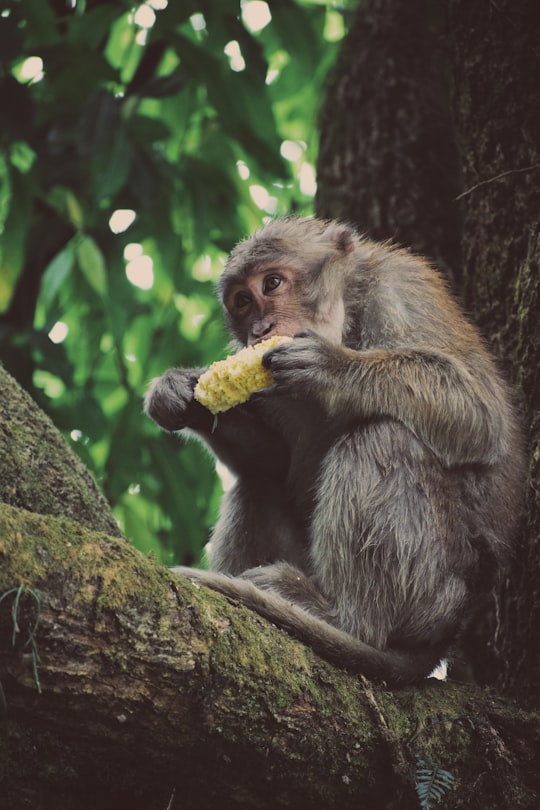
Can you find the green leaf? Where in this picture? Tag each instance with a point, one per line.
(240, 100)
(133, 512)
(22, 156)
(92, 264)
(110, 167)
(92, 28)
(300, 30)
(73, 73)
(64, 201)
(41, 23)
(102, 141)
(163, 86)
(16, 192)
(56, 275)
(147, 130)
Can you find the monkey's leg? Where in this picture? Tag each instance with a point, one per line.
(255, 527)
(293, 585)
(278, 580)
(390, 543)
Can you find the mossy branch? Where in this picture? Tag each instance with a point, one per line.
(151, 685)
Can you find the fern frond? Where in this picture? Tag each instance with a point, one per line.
(432, 782)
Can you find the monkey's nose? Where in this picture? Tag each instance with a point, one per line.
(262, 329)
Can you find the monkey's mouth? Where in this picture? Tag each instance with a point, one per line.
(288, 333)
(263, 338)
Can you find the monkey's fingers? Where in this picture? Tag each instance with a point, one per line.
(169, 398)
(300, 354)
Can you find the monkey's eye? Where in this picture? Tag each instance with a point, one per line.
(271, 283)
(241, 300)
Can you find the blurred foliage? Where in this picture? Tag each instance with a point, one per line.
(138, 144)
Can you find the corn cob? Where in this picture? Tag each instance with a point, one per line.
(229, 382)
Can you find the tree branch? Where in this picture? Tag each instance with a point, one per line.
(153, 688)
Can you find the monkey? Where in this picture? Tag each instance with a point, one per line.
(377, 479)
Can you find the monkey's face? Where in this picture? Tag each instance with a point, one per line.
(287, 278)
(263, 303)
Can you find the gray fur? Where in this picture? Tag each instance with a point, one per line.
(377, 480)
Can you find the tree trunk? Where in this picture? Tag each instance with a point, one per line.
(419, 91)
(388, 160)
(496, 107)
(38, 471)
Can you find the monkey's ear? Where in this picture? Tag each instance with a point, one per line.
(344, 239)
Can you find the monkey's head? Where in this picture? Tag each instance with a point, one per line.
(287, 277)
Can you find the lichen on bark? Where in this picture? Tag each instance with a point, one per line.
(38, 470)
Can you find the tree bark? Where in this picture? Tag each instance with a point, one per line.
(496, 107)
(432, 119)
(388, 160)
(38, 471)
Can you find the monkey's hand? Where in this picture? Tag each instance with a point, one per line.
(169, 400)
(309, 365)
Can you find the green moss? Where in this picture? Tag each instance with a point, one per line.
(34, 548)
(38, 470)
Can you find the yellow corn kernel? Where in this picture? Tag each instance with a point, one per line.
(229, 382)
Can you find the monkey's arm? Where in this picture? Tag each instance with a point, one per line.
(246, 444)
(462, 416)
(238, 437)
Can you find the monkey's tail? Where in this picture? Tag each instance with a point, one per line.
(392, 665)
